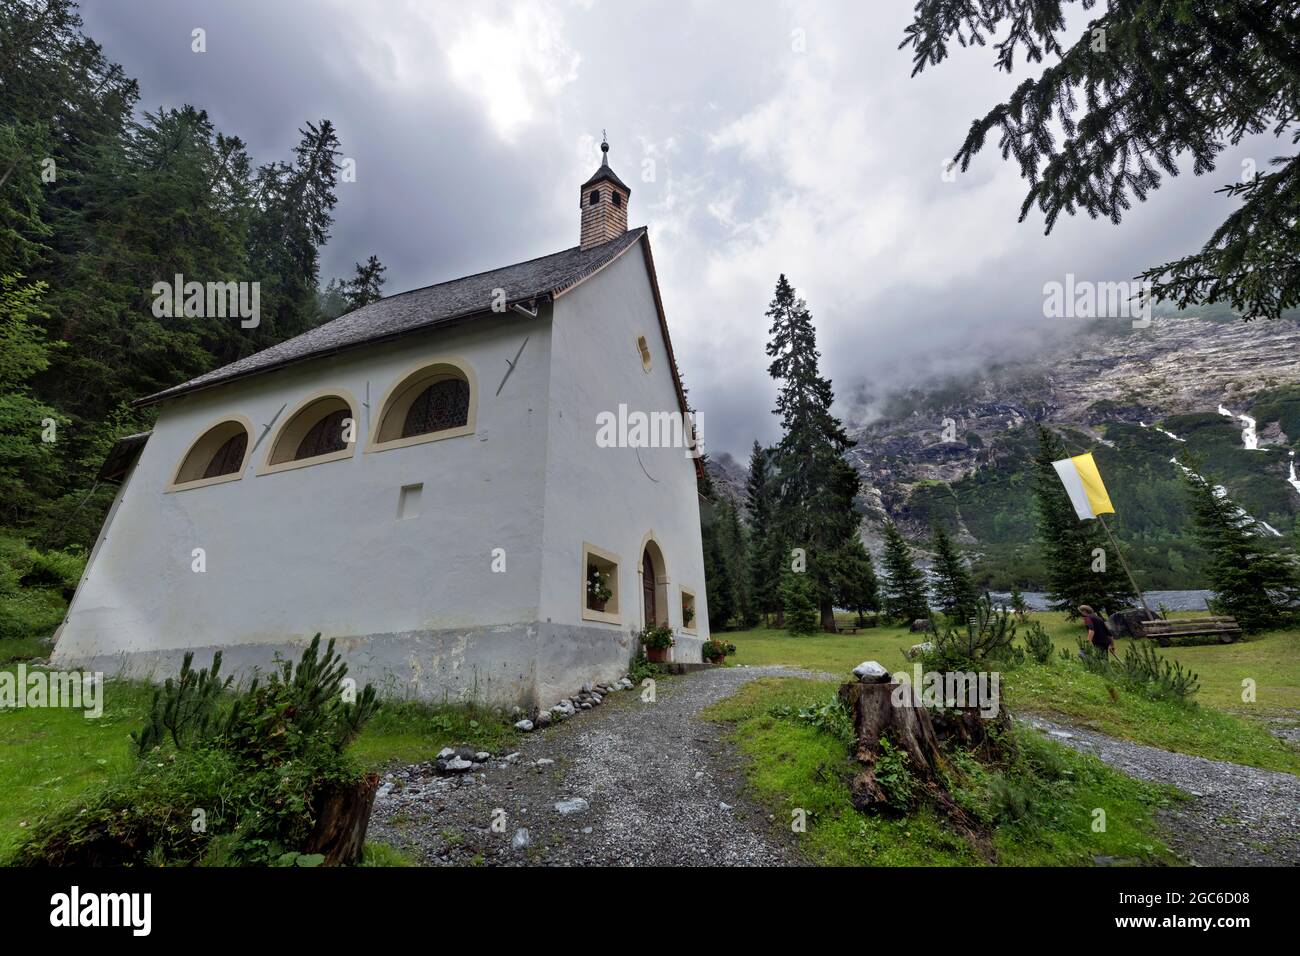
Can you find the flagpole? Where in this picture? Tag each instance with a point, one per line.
(1124, 564)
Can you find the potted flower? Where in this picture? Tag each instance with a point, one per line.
(656, 640)
(715, 652)
(688, 615)
(598, 589)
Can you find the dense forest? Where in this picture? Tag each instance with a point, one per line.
(99, 201)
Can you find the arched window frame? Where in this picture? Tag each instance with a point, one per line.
(291, 430)
(407, 387)
(177, 485)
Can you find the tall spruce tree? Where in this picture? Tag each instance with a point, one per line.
(954, 589)
(764, 557)
(1078, 557)
(903, 590)
(856, 585)
(815, 486)
(1128, 93)
(735, 545)
(1252, 578)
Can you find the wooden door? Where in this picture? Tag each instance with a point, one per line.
(648, 588)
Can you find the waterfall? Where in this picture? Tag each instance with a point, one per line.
(1221, 493)
(1292, 480)
(1248, 437)
(1163, 432)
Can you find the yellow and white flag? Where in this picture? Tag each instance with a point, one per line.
(1084, 486)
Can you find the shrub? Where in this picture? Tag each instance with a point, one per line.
(1038, 643)
(895, 776)
(987, 638)
(254, 767)
(717, 650)
(829, 716)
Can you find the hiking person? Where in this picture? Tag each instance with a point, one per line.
(1098, 633)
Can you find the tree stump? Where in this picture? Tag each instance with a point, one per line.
(342, 818)
(908, 728)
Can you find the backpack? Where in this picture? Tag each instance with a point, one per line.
(1100, 630)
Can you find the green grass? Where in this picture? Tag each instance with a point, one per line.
(793, 765)
(381, 854)
(413, 731)
(52, 756)
(1218, 727)
(49, 756)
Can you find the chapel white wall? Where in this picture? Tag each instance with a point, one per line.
(320, 548)
(614, 497)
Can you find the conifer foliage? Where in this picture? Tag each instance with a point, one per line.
(814, 487)
(954, 589)
(1133, 90)
(1253, 580)
(903, 590)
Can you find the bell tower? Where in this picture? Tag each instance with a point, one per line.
(603, 199)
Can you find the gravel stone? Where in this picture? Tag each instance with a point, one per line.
(1238, 816)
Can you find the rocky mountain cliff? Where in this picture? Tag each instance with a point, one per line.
(957, 451)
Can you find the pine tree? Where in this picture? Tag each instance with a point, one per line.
(735, 546)
(814, 485)
(1137, 86)
(799, 603)
(1252, 579)
(719, 573)
(954, 589)
(1077, 555)
(764, 557)
(903, 590)
(856, 585)
(367, 285)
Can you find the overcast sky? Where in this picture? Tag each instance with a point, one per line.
(757, 137)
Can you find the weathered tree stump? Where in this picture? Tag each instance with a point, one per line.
(908, 728)
(968, 728)
(342, 818)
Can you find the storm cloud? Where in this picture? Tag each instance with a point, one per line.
(758, 138)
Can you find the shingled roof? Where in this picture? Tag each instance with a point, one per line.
(534, 281)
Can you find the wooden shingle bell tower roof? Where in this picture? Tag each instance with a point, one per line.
(603, 199)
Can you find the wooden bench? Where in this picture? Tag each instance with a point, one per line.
(1187, 631)
(846, 628)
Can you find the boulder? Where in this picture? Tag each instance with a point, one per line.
(871, 672)
(920, 625)
(916, 650)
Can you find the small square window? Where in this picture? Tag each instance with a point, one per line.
(408, 501)
(688, 611)
(617, 197)
(595, 197)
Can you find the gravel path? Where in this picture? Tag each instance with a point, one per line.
(1238, 816)
(642, 783)
(660, 787)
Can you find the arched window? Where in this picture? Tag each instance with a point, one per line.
(444, 404)
(432, 402)
(324, 437)
(322, 429)
(217, 455)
